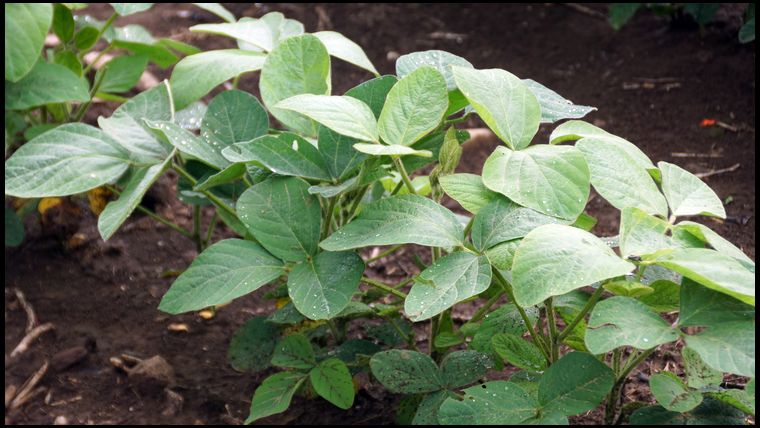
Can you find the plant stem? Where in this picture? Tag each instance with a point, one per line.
(355, 204)
(455, 120)
(97, 58)
(105, 26)
(391, 250)
(197, 228)
(582, 314)
(553, 342)
(211, 228)
(158, 218)
(404, 175)
(610, 409)
(397, 188)
(84, 107)
(409, 338)
(328, 218)
(235, 81)
(334, 331)
(468, 227)
(213, 198)
(384, 287)
(508, 289)
(477, 316)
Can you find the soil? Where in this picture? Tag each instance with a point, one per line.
(653, 82)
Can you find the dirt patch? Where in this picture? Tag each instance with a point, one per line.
(652, 83)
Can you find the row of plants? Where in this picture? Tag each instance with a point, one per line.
(574, 312)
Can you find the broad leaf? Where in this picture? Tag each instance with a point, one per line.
(440, 60)
(505, 319)
(713, 270)
(116, 212)
(554, 107)
(555, 259)
(186, 142)
(449, 280)
(274, 394)
(687, 194)
(69, 159)
(125, 9)
(228, 175)
(492, 403)
(45, 84)
(252, 345)
(373, 92)
(427, 410)
(14, 228)
(284, 154)
(672, 393)
(339, 156)
(298, 65)
(553, 180)
(253, 31)
(332, 381)
(392, 150)
(26, 25)
(468, 190)
(122, 73)
(344, 115)
(283, 216)
(233, 117)
(344, 48)
(461, 368)
(698, 374)
(322, 287)
(413, 107)
(406, 372)
(224, 271)
(503, 220)
(576, 383)
(196, 75)
(710, 237)
(519, 352)
(624, 321)
(701, 306)
(504, 103)
(405, 219)
(710, 412)
(502, 255)
(641, 233)
(728, 347)
(741, 399)
(294, 352)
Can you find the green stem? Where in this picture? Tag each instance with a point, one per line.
(334, 331)
(391, 250)
(508, 289)
(97, 58)
(105, 26)
(553, 342)
(213, 198)
(582, 314)
(610, 409)
(409, 338)
(158, 218)
(356, 203)
(404, 175)
(397, 188)
(477, 316)
(456, 120)
(197, 228)
(468, 227)
(84, 107)
(384, 287)
(211, 228)
(235, 81)
(330, 210)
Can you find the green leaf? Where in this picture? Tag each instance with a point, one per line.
(190, 117)
(14, 228)
(503, 220)
(392, 150)
(322, 287)
(294, 352)
(710, 412)
(687, 194)
(502, 255)
(628, 288)
(664, 298)
(26, 25)
(344, 115)
(155, 51)
(117, 212)
(554, 259)
(373, 92)
(196, 75)
(576, 383)
(218, 10)
(230, 174)
(344, 48)
(505, 319)
(504, 103)
(69, 159)
(406, 372)
(125, 9)
(741, 399)
(621, 13)
(713, 270)
(122, 73)
(747, 31)
(127, 125)
(332, 381)
(519, 352)
(413, 107)
(728, 347)
(433, 144)
(641, 233)
(298, 65)
(63, 22)
(404, 219)
(440, 60)
(554, 107)
(45, 84)
(624, 321)
(232, 117)
(492, 403)
(451, 279)
(701, 306)
(284, 154)
(186, 142)
(468, 190)
(461, 368)
(253, 31)
(698, 374)
(252, 345)
(702, 12)
(553, 180)
(710, 237)
(224, 271)
(86, 38)
(672, 394)
(339, 156)
(274, 394)
(427, 410)
(283, 216)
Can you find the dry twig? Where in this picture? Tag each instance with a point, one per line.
(710, 173)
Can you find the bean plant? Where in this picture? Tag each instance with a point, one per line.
(569, 314)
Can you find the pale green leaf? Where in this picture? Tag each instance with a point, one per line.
(672, 393)
(274, 394)
(125, 9)
(343, 114)
(728, 347)
(45, 84)
(641, 233)
(440, 60)
(322, 287)
(554, 107)
(26, 25)
(392, 150)
(332, 381)
(687, 194)
(344, 48)
(710, 237)
(468, 190)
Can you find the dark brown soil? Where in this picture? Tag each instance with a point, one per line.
(652, 83)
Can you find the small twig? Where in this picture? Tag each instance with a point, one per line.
(28, 390)
(10, 392)
(23, 346)
(31, 318)
(731, 168)
(586, 10)
(696, 155)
